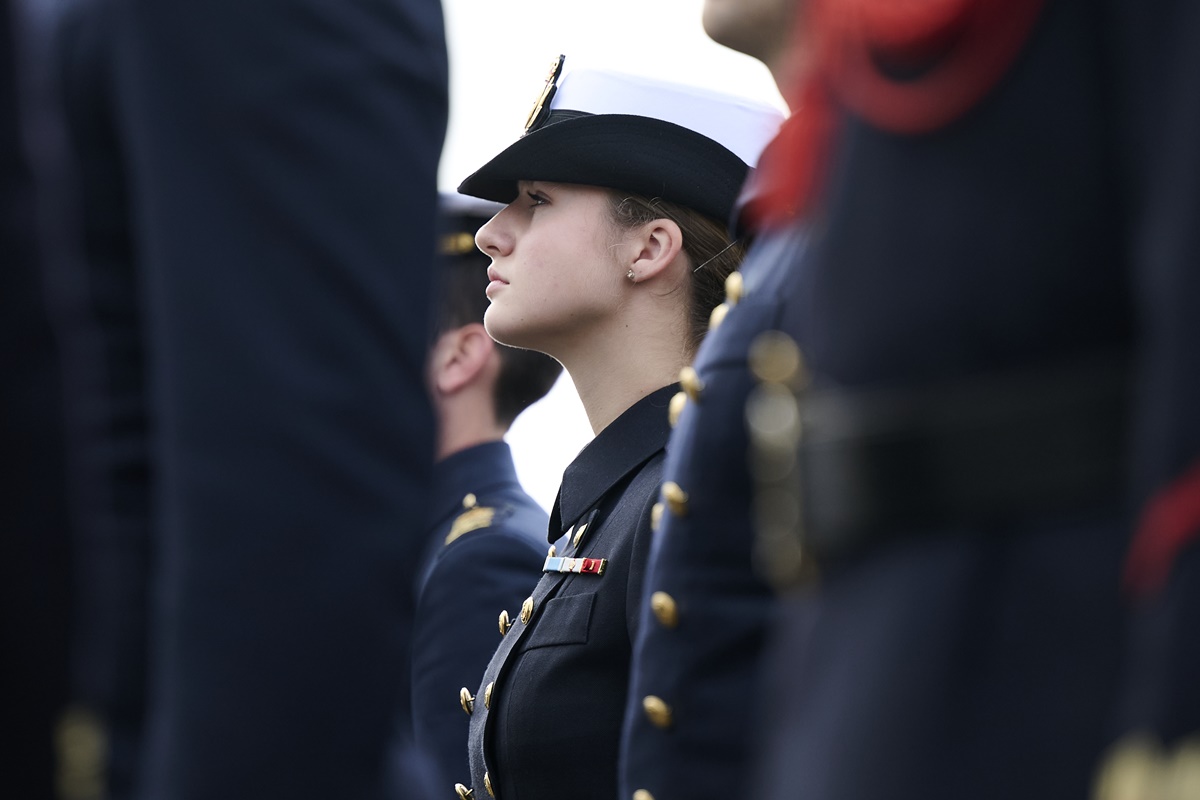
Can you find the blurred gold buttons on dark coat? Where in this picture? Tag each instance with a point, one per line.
(678, 402)
(1139, 766)
(735, 288)
(487, 695)
(689, 379)
(487, 784)
(527, 610)
(642, 794)
(470, 501)
(657, 711)
(717, 316)
(466, 700)
(676, 498)
(579, 535)
(665, 609)
(463, 792)
(656, 512)
(775, 358)
(505, 623)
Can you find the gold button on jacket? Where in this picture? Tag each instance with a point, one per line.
(657, 711)
(676, 498)
(735, 287)
(678, 403)
(689, 379)
(665, 610)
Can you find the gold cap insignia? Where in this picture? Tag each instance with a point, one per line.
(541, 109)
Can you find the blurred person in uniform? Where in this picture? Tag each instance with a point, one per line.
(609, 256)
(113, 544)
(36, 524)
(487, 544)
(278, 162)
(706, 604)
(975, 443)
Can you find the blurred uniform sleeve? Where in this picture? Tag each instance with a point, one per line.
(282, 158)
(1157, 77)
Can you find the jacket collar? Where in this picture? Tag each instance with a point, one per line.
(628, 442)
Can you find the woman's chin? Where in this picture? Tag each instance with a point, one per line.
(499, 329)
(514, 335)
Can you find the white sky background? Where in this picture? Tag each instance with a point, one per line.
(500, 52)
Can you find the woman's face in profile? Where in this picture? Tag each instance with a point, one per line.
(554, 274)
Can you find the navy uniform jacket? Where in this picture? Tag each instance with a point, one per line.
(282, 161)
(556, 687)
(35, 516)
(114, 544)
(706, 608)
(485, 555)
(1052, 225)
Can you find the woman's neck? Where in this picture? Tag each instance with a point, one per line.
(616, 370)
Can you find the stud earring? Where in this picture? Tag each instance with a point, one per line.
(631, 276)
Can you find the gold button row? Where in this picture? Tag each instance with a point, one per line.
(526, 612)
(467, 700)
(662, 604)
(469, 794)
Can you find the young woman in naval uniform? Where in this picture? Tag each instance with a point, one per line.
(610, 256)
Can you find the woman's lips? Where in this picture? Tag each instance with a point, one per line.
(496, 281)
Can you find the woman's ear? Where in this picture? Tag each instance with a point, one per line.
(460, 357)
(656, 247)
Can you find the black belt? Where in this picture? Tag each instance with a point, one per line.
(874, 465)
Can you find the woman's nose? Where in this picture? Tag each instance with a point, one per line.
(492, 238)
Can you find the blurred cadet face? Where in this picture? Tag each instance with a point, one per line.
(758, 28)
(554, 278)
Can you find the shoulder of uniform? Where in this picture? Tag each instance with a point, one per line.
(472, 519)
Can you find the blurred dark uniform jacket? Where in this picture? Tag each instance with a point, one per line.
(987, 310)
(36, 526)
(114, 543)
(278, 167)
(705, 607)
(556, 686)
(485, 555)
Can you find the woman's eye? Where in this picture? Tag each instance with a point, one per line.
(538, 199)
